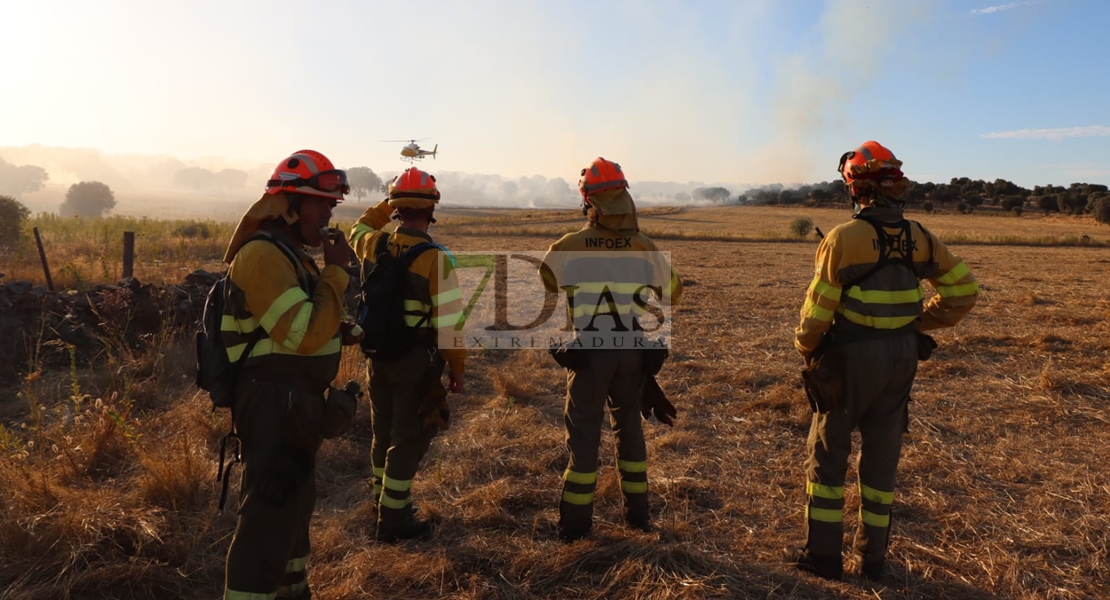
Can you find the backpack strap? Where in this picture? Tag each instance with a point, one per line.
(885, 248)
(407, 258)
(379, 248)
(382, 246)
(302, 278)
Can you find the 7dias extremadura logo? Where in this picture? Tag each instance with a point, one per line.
(598, 299)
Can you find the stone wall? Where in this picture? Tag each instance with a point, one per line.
(37, 327)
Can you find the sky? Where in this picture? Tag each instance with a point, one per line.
(741, 92)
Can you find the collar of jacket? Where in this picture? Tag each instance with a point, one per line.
(277, 229)
(414, 233)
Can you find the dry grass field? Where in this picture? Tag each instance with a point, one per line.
(107, 477)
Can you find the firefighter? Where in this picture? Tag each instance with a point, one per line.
(608, 270)
(408, 402)
(861, 335)
(288, 311)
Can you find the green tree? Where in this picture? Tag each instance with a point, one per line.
(197, 178)
(1013, 203)
(712, 194)
(820, 196)
(88, 199)
(12, 217)
(23, 179)
(917, 194)
(1047, 203)
(1101, 210)
(364, 181)
(230, 179)
(1093, 198)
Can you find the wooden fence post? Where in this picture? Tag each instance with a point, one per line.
(42, 259)
(128, 253)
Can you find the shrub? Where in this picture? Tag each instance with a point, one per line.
(927, 206)
(12, 217)
(801, 226)
(1101, 210)
(194, 230)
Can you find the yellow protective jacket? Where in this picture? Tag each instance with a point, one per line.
(596, 241)
(428, 293)
(302, 327)
(890, 298)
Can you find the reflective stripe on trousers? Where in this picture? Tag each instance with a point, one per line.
(610, 379)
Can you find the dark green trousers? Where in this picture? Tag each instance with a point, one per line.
(878, 375)
(397, 389)
(613, 379)
(279, 428)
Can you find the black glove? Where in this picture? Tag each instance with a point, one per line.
(655, 403)
(925, 346)
(434, 414)
(339, 411)
(433, 411)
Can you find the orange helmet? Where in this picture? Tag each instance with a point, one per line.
(872, 167)
(601, 175)
(309, 172)
(413, 188)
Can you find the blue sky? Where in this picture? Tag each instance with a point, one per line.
(735, 92)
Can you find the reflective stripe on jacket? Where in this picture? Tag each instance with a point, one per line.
(586, 266)
(264, 291)
(889, 298)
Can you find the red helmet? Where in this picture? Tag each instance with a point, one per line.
(413, 188)
(309, 172)
(601, 175)
(872, 167)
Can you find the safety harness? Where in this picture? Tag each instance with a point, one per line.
(889, 244)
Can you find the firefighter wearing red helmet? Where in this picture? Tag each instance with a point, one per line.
(608, 270)
(408, 402)
(861, 335)
(282, 317)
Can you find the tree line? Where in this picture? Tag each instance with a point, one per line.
(96, 199)
(965, 195)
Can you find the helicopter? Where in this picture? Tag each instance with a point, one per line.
(412, 151)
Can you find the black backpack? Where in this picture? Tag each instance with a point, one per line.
(381, 303)
(216, 374)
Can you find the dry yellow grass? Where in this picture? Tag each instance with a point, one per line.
(1002, 492)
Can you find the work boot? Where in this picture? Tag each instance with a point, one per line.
(872, 570)
(575, 520)
(825, 566)
(571, 533)
(639, 519)
(407, 529)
